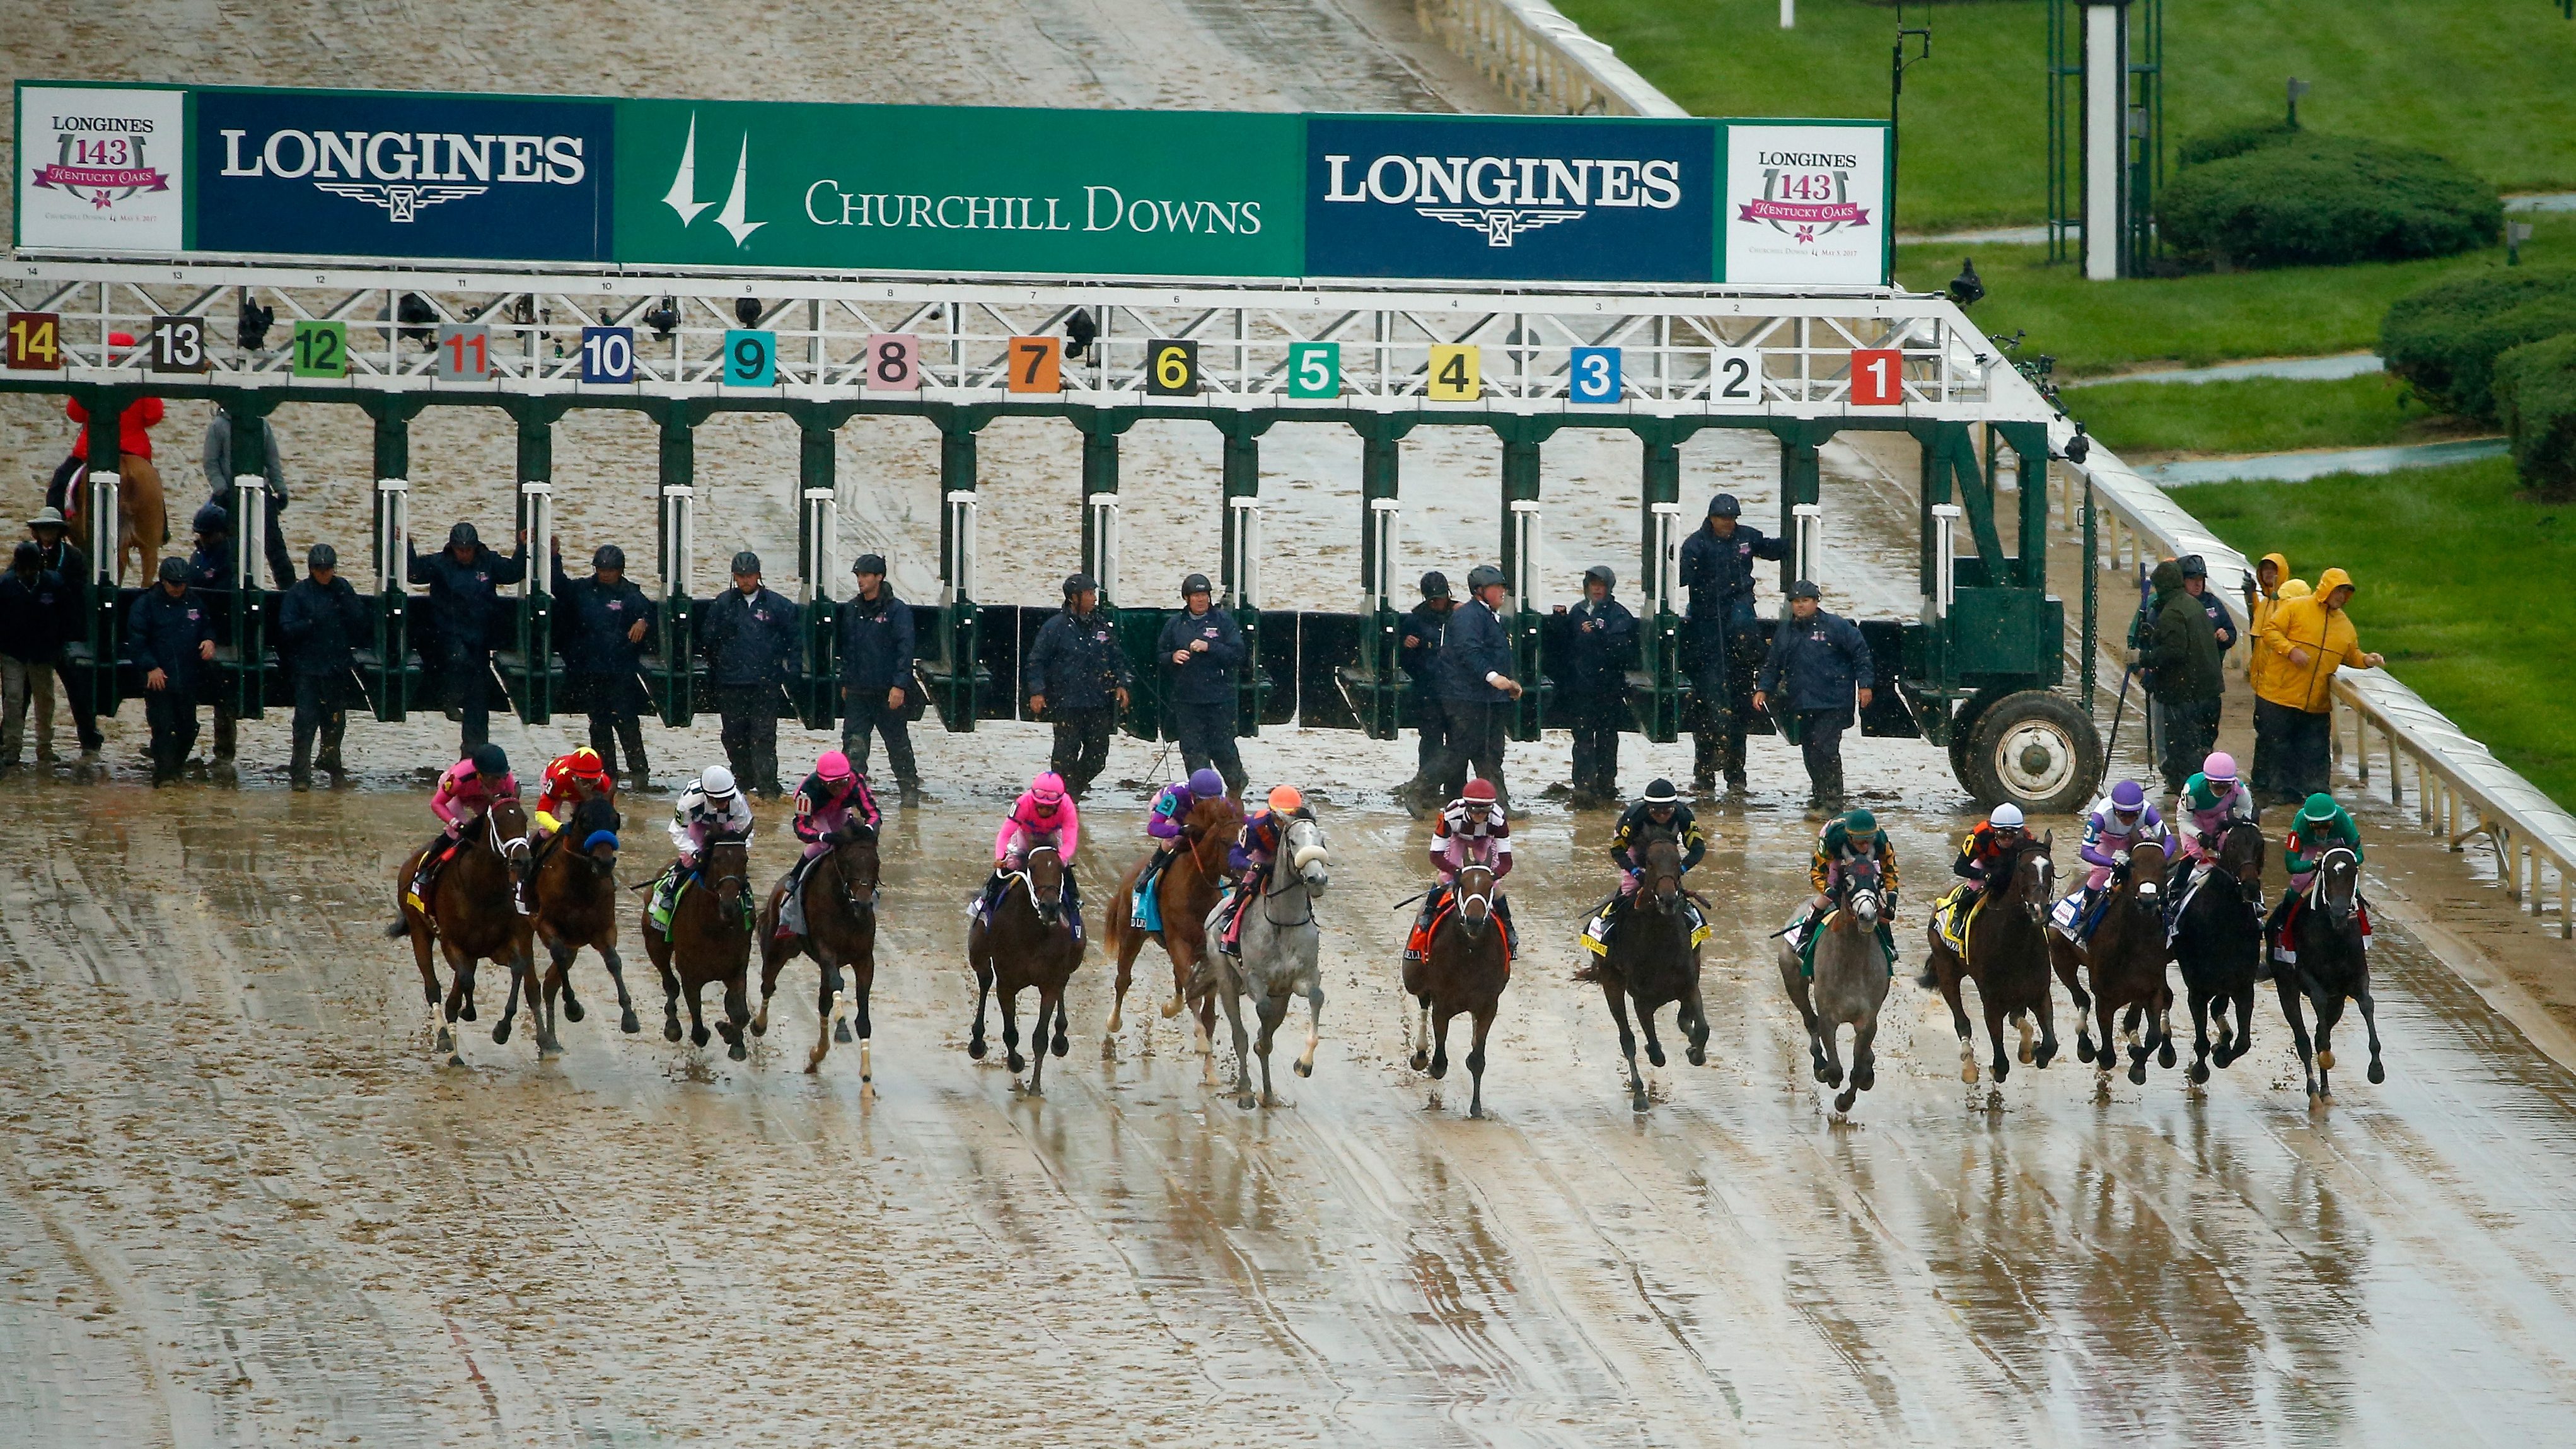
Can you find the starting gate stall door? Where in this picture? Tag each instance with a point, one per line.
(388, 670)
(246, 660)
(529, 666)
(98, 662)
(669, 671)
(816, 695)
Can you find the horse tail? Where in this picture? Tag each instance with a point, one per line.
(1594, 971)
(400, 928)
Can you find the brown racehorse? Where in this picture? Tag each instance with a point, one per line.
(710, 941)
(2008, 958)
(142, 515)
(575, 898)
(1464, 969)
(472, 918)
(1027, 943)
(1651, 959)
(1186, 892)
(840, 930)
(2125, 962)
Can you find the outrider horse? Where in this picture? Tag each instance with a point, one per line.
(472, 916)
(2007, 941)
(1464, 969)
(2332, 968)
(710, 941)
(2218, 943)
(1650, 960)
(2126, 963)
(1850, 984)
(840, 902)
(1028, 942)
(1185, 893)
(575, 893)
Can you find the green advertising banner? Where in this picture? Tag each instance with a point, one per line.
(982, 189)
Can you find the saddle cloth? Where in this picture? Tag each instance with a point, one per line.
(1418, 946)
(1953, 927)
(1596, 931)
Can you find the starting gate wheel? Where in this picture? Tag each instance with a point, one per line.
(1963, 730)
(2036, 749)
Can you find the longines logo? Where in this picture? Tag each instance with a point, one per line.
(1504, 196)
(405, 171)
(101, 159)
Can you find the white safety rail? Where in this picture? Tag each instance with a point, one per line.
(1540, 59)
(1736, 352)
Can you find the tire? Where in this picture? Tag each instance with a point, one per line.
(2035, 749)
(1965, 734)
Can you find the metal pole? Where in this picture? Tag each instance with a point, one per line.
(1246, 593)
(1945, 570)
(960, 563)
(2092, 596)
(1102, 536)
(1808, 519)
(2106, 133)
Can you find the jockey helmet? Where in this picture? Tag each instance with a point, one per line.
(1661, 792)
(489, 762)
(174, 569)
(587, 764)
(2219, 768)
(463, 536)
(1206, 784)
(1725, 506)
(1285, 800)
(833, 766)
(1195, 584)
(1485, 576)
(211, 518)
(2320, 808)
(1047, 791)
(1435, 585)
(1480, 791)
(2127, 798)
(2007, 816)
(716, 782)
(1861, 824)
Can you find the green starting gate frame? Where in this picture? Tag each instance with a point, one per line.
(1977, 670)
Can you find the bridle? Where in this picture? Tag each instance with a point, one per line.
(1661, 881)
(717, 883)
(2032, 858)
(1297, 858)
(1858, 893)
(1475, 903)
(851, 900)
(1051, 904)
(2343, 869)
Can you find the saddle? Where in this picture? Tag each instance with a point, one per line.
(2282, 941)
(668, 909)
(1596, 930)
(1953, 926)
(1418, 946)
(1815, 932)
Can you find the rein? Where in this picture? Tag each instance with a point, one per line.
(1280, 882)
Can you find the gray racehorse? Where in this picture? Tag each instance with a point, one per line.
(1851, 983)
(1280, 946)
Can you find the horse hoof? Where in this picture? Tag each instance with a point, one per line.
(2040, 1059)
(700, 1036)
(1864, 1078)
(500, 1033)
(2165, 1056)
(841, 1032)
(2003, 1069)
(2137, 1074)
(671, 1029)
(2084, 1048)
(628, 1024)
(446, 1040)
(1060, 1045)
(2199, 1073)
(1833, 1075)
(2325, 1061)
(1654, 1055)
(1305, 1069)
(1967, 1073)
(1844, 1099)
(1698, 1056)
(738, 1051)
(468, 1013)
(975, 1049)
(572, 1009)
(1171, 1008)
(2025, 1054)
(1422, 1061)
(1247, 1101)
(2378, 1074)
(1637, 1103)
(1017, 1062)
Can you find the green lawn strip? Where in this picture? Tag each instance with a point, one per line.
(2482, 82)
(2417, 542)
(2258, 415)
(2207, 317)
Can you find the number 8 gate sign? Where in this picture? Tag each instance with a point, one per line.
(893, 363)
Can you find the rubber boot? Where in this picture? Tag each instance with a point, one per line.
(1705, 754)
(1735, 780)
(299, 768)
(630, 734)
(335, 725)
(226, 735)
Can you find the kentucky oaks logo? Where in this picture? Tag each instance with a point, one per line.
(402, 172)
(1805, 195)
(1503, 196)
(101, 159)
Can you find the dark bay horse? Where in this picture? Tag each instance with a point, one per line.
(1186, 892)
(1027, 943)
(472, 917)
(575, 897)
(2007, 957)
(2333, 967)
(2218, 942)
(840, 901)
(710, 941)
(1464, 969)
(2125, 962)
(1652, 962)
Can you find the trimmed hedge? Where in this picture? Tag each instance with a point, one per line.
(2312, 200)
(2444, 340)
(2535, 387)
(2236, 141)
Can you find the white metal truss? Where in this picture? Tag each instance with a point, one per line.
(1676, 344)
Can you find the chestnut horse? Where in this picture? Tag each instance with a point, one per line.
(472, 917)
(840, 904)
(2125, 962)
(1028, 943)
(710, 941)
(1185, 893)
(142, 515)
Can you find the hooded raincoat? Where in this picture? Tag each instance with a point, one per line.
(2327, 637)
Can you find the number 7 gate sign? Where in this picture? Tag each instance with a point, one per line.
(1877, 377)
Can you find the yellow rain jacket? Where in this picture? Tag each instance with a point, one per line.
(2326, 634)
(2261, 609)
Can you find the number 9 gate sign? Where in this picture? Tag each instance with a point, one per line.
(750, 358)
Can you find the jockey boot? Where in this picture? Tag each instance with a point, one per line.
(1705, 754)
(1073, 904)
(1432, 901)
(1511, 933)
(226, 733)
(658, 905)
(991, 895)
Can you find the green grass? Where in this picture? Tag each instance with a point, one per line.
(2207, 317)
(2494, 660)
(2483, 82)
(2258, 415)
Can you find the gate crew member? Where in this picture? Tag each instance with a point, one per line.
(1419, 654)
(605, 620)
(1476, 688)
(1077, 677)
(749, 638)
(1603, 648)
(321, 621)
(31, 634)
(1825, 661)
(217, 456)
(173, 634)
(2181, 658)
(465, 580)
(876, 676)
(1725, 642)
(1203, 646)
(54, 551)
(210, 572)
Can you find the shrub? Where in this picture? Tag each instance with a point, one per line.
(2535, 387)
(2236, 141)
(2312, 200)
(2443, 340)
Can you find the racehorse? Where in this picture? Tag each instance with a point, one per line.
(1185, 894)
(1028, 942)
(1651, 960)
(2332, 967)
(1280, 945)
(1463, 969)
(2007, 957)
(710, 940)
(840, 901)
(473, 918)
(2126, 963)
(2218, 943)
(1852, 973)
(142, 515)
(574, 894)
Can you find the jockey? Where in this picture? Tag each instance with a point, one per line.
(1848, 841)
(1661, 808)
(1471, 831)
(463, 795)
(2121, 821)
(1168, 823)
(569, 781)
(2321, 825)
(1250, 859)
(2213, 800)
(1043, 815)
(831, 797)
(1983, 848)
(709, 810)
